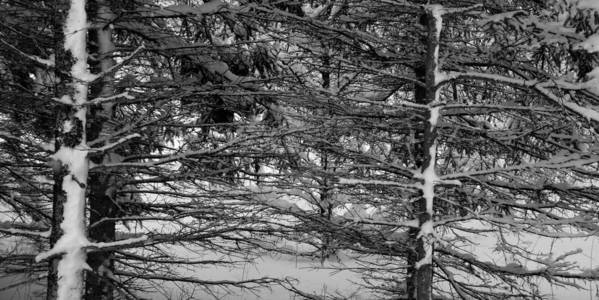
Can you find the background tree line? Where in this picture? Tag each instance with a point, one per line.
(394, 132)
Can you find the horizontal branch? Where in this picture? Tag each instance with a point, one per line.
(45, 62)
(118, 244)
(574, 160)
(94, 77)
(154, 276)
(115, 144)
(60, 249)
(351, 181)
(41, 146)
(521, 271)
(100, 100)
(541, 86)
(25, 230)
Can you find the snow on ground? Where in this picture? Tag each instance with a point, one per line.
(310, 278)
(327, 281)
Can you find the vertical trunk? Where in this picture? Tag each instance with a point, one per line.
(58, 200)
(419, 206)
(58, 197)
(98, 284)
(68, 237)
(101, 196)
(420, 280)
(324, 204)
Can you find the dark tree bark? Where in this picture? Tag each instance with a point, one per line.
(63, 62)
(420, 275)
(102, 191)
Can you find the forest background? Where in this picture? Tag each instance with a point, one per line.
(443, 150)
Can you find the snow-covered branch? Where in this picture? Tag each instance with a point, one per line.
(352, 181)
(368, 221)
(42, 61)
(169, 277)
(115, 144)
(542, 87)
(459, 10)
(24, 230)
(558, 162)
(101, 100)
(115, 67)
(19, 139)
(178, 10)
(519, 270)
(118, 244)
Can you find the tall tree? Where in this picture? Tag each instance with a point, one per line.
(469, 101)
(69, 238)
(103, 208)
(395, 131)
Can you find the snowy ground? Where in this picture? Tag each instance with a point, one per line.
(310, 280)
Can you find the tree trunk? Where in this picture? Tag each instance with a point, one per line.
(58, 199)
(97, 282)
(68, 236)
(420, 270)
(102, 184)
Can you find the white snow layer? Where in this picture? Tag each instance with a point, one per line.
(75, 31)
(73, 240)
(429, 176)
(437, 12)
(427, 233)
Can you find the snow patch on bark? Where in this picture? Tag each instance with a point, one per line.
(434, 112)
(75, 30)
(437, 13)
(73, 240)
(428, 174)
(427, 233)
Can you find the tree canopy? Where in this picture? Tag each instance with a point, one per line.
(423, 143)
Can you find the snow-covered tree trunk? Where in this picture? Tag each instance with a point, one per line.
(102, 190)
(68, 238)
(422, 277)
